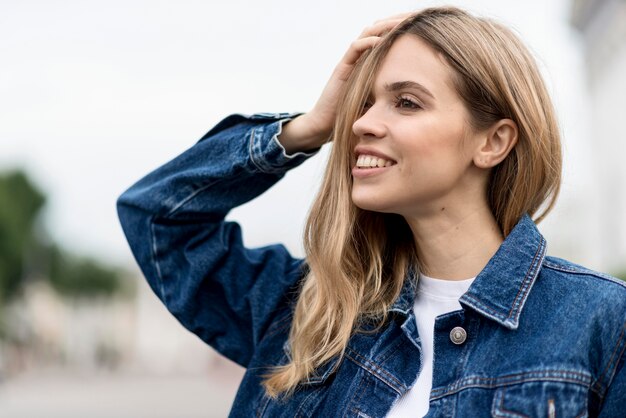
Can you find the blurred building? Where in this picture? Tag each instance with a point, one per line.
(135, 334)
(602, 25)
(124, 356)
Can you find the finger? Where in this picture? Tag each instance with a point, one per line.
(380, 27)
(403, 15)
(357, 47)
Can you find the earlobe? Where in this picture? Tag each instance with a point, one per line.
(498, 141)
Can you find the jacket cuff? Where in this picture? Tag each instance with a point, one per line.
(266, 152)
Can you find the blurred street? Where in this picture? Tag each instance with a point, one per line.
(107, 395)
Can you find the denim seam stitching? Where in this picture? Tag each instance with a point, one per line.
(579, 272)
(364, 389)
(154, 246)
(610, 366)
(514, 379)
(456, 389)
(355, 398)
(258, 160)
(522, 294)
(479, 304)
(389, 353)
(377, 371)
(498, 406)
(265, 401)
(377, 367)
(582, 414)
(188, 198)
(258, 165)
(360, 413)
(332, 365)
(497, 315)
(155, 259)
(304, 401)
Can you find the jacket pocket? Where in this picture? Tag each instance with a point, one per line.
(540, 399)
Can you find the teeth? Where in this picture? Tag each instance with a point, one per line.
(370, 161)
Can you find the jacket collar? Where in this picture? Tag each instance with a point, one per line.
(500, 290)
(502, 287)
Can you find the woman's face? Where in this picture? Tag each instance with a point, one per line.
(417, 122)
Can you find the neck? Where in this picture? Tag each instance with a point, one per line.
(455, 245)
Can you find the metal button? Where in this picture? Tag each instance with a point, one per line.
(458, 335)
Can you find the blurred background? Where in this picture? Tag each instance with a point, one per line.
(95, 94)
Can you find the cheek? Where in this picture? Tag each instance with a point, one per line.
(434, 162)
(432, 144)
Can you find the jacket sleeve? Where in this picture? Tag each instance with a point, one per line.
(195, 261)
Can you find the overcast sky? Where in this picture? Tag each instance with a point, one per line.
(95, 94)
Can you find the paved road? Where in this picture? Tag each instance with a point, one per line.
(65, 395)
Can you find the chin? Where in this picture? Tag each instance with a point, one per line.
(371, 204)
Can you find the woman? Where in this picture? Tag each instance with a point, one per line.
(426, 287)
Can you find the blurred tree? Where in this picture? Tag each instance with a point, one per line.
(20, 203)
(23, 252)
(80, 276)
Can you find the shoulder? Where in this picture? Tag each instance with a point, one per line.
(584, 284)
(571, 271)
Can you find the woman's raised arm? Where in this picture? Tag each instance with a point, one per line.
(194, 261)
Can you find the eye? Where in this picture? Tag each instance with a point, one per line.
(402, 102)
(406, 103)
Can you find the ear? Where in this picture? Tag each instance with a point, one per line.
(496, 143)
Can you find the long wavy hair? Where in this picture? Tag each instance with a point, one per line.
(358, 259)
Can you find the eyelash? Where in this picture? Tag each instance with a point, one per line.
(397, 101)
(400, 99)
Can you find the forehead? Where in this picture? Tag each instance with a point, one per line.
(411, 58)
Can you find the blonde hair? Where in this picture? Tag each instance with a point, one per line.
(358, 259)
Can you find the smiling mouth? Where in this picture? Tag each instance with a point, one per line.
(372, 161)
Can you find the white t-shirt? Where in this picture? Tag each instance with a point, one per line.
(434, 297)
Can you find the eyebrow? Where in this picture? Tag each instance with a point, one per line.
(400, 85)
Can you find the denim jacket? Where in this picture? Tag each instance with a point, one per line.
(542, 337)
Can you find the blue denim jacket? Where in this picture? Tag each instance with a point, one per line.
(544, 337)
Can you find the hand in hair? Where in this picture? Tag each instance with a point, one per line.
(311, 130)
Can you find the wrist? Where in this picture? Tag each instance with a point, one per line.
(300, 135)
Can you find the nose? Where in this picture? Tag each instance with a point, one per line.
(370, 124)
